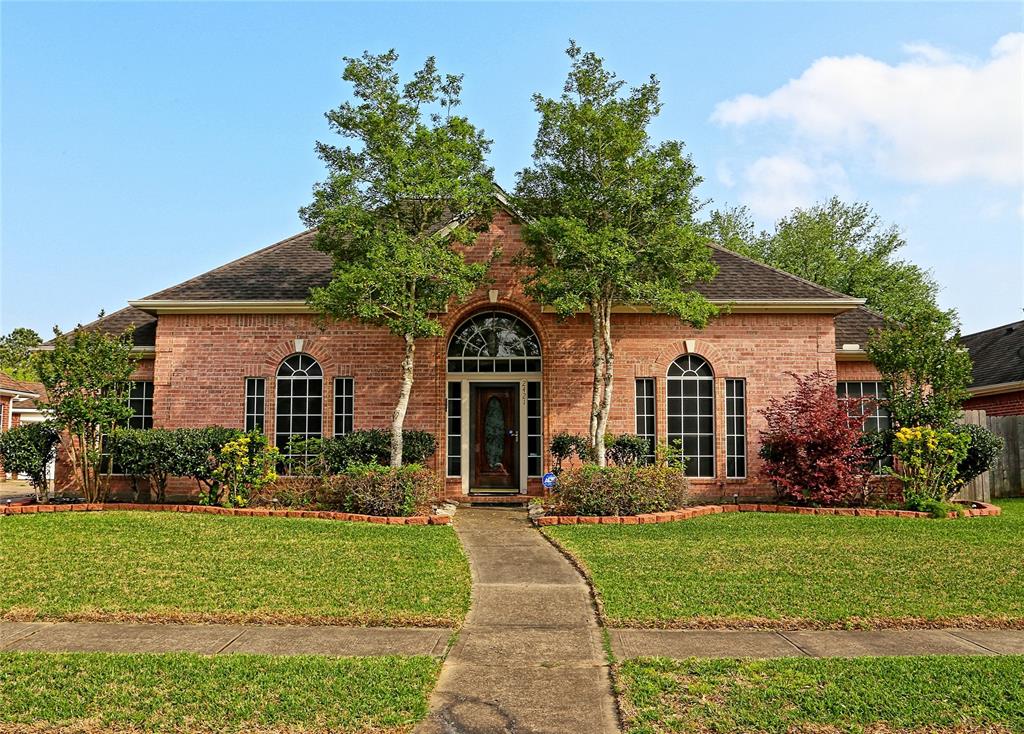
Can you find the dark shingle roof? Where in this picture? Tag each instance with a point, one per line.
(997, 354)
(857, 326)
(285, 271)
(115, 323)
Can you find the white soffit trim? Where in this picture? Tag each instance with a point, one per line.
(998, 389)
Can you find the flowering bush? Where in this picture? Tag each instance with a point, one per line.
(927, 461)
(812, 450)
(246, 465)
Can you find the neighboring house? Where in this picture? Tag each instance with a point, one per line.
(238, 346)
(997, 386)
(15, 397)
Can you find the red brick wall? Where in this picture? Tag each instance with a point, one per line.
(202, 362)
(856, 371)
(1010, 403)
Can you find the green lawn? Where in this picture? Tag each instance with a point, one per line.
(883, 695)
(182, 567)
(743, 569)
(229, 693)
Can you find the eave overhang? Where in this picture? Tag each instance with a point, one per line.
(998, 389)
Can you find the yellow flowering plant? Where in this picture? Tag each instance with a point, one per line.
(927, 460)
(246, 465)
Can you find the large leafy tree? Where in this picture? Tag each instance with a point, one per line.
(16, 353)
(926, 368)
(87, 375)
(398, 204)
(611, 214)
(842, 246)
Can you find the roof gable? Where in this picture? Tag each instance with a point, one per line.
(997, 354)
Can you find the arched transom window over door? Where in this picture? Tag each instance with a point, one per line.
(494, 341)
(300, 400)
(691, 413)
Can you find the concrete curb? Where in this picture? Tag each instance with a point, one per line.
(972, 509)
(232, 511)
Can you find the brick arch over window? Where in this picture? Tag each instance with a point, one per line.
(690, 412)
(518, 307)
(721, 363)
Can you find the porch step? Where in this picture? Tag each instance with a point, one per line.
(492, 500)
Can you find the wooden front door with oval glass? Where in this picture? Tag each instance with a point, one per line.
(494, 438)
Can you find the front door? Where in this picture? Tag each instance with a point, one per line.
(494, 438)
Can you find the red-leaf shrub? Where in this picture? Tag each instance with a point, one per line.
(811, 449)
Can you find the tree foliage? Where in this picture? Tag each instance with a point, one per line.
(16, 353)
(28, 449)
(611, 214)
(812, 449)
(87, 375)
(398, 204)
(926, 368)
(842, 246)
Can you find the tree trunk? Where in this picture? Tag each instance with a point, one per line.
(398, 418)
(596, 439)
(606, 387)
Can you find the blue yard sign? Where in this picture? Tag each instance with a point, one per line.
(549, 480)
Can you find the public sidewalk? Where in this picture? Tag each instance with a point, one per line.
(632, 643)
(216, 639)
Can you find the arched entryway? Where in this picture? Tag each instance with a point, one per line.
(494, 438)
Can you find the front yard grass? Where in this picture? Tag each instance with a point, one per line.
(754, 569)
(181, 567)
(92, 692)
(884, 695)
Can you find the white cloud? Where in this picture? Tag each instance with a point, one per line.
(774, 185)
(934, 118)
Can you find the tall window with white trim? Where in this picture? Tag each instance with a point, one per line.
(736, 428)
(300, 397)
(645, 417)
(691, 413)
(255, 403)
(344, 405)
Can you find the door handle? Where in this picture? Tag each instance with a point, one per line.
(514, 434)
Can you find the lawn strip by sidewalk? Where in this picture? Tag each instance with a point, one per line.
(891, 694)
(232, 693)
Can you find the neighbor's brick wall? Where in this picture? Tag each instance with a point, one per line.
(202, 362)
(1011, 403)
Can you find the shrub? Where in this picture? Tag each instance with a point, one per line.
(564, 446)
(374, 489)
(811, 450)
(329, 456)
(151, 454)
(198, 452)
(935, 508)
(29, 449)
(626, 449)
(927, 461)
(982, 448)
(246, 465)
(619, 490)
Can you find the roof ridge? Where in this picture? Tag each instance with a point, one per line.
(780, 271)
(1015, 324)
(237, 260)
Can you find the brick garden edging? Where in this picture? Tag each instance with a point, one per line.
(986, 510)
(234, 511)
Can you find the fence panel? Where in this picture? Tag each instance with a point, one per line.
(1006, 477)
(978, 489)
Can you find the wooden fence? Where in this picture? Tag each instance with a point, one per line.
(1006, 477)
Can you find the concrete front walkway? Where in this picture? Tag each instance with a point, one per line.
(633, 643)
(529, 658)
(215, 639)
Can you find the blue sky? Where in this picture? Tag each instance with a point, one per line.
(145, 143)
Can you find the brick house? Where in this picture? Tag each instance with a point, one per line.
(17, 402)
(997, 354)
(238, 346)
